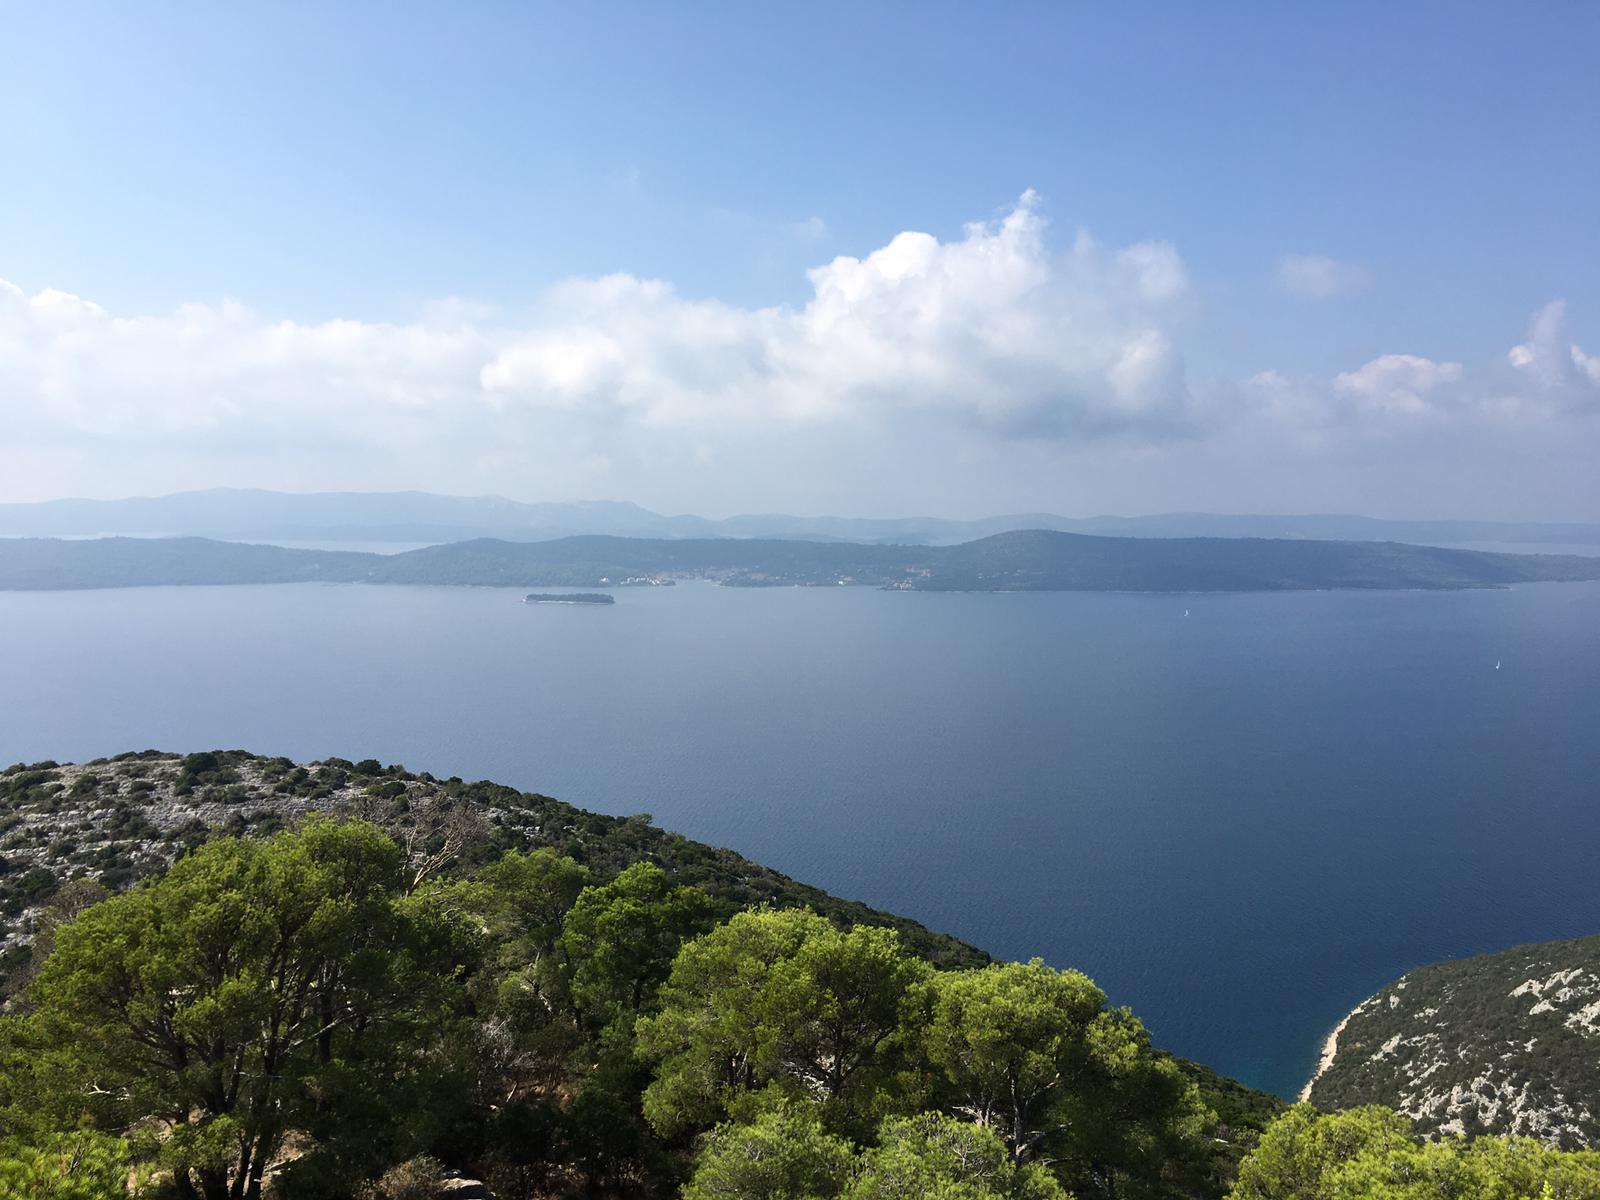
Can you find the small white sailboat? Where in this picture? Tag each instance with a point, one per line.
(1497, 664)
(1186, 612)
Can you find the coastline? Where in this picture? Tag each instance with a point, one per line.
(1330, 1051)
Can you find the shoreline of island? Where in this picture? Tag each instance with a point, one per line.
(1330, 1051)
(1021, 561)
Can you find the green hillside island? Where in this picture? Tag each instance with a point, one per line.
(229, 976)
(1500, 1043)
(1034, 560)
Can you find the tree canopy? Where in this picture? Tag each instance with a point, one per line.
(302, 1014)
(782, 999)
(1372, 1154)
(240, 998)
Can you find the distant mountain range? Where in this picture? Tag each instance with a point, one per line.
(1032, 560)
(410, 517)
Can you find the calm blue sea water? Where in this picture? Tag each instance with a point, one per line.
(1240, 821)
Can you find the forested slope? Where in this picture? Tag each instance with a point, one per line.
(217, 990)
(562, 1002)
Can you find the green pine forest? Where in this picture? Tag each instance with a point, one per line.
(386, 1001)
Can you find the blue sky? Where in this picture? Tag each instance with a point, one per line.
(1338, 184)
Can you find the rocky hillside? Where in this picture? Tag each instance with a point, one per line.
(1502, 1043)
(71, 832)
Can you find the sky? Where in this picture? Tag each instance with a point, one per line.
(865, 259)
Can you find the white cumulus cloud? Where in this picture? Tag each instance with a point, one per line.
(1549, 380)
(1397, 384)
(991, 329)
(988, 364)
(1557, 366)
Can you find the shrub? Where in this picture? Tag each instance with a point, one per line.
(82, 1165)
(421, 1178)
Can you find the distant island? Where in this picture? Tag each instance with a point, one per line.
(568, 598)
(1027, 560)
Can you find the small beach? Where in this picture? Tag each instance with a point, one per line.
(1330, 1050)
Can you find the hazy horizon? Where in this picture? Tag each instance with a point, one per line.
(732, 513)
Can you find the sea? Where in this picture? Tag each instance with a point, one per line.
(1241, 814)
